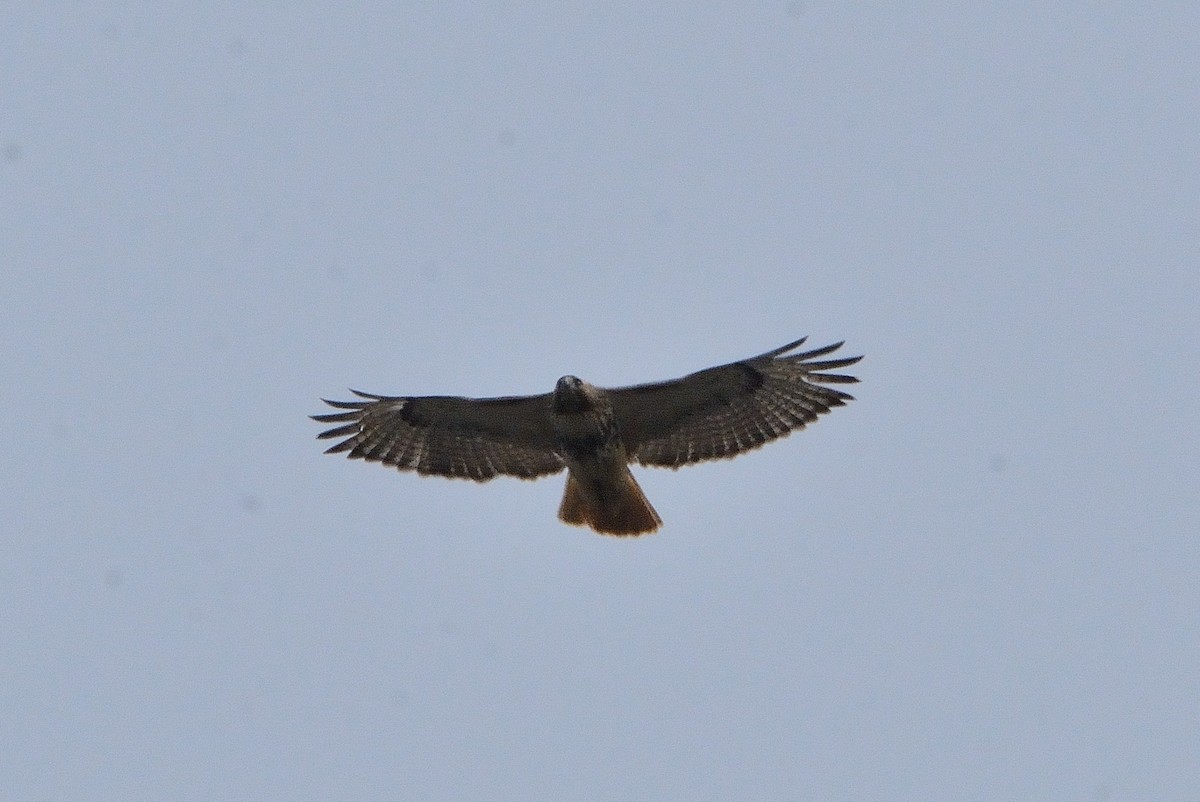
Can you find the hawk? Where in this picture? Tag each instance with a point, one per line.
(595, 433)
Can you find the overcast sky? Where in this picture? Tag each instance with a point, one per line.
(977, 581)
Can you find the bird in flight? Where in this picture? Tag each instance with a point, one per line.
(595, 433)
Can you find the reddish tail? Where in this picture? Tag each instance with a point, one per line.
(616, 507)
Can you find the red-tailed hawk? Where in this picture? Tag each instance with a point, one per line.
(595, 433)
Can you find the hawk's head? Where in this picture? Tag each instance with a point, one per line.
(572, 394)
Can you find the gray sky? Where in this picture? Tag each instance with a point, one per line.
(978, 581)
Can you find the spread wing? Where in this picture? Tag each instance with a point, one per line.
(726, 410)
(469, 438)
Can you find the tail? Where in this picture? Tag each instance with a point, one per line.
(617, 506)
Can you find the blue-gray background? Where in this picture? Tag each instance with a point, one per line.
(978, 581)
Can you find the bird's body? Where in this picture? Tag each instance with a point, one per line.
(596, 433)
(600, 491)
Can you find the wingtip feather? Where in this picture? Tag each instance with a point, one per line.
(783, 349)
(348, 430)
(338, 448)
